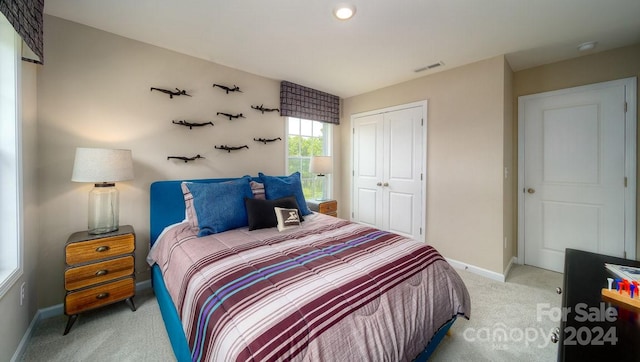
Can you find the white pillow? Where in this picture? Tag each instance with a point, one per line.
(287, 218)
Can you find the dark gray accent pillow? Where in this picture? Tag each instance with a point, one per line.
(261, 213)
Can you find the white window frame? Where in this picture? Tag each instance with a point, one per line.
(11, 236)
(326, 182)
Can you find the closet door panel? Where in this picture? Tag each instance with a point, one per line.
(367, 205)
(401, 222)
(402, 191)
(399, 164)
(368, 169)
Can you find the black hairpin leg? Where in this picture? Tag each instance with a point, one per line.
(70, 321)
(130, 303)
(73, 317)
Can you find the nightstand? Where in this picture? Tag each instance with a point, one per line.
(327, 207)
(100, 270)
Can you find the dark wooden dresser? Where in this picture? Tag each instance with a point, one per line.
(595, 329)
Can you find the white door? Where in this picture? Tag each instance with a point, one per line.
(574, 189)
(402, 172)
(388, 186)
(368, 145)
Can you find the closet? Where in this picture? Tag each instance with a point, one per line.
(389, 169)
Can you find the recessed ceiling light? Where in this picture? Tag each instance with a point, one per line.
(587, 46)
(344, 11)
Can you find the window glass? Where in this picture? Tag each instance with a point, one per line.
(306, 138)
(306, 127)
(9, 137)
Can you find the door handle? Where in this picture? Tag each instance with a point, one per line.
(379, 184)
(531, 191)
(386, 184)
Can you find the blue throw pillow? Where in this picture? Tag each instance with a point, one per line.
(278, 187)
(220, 206)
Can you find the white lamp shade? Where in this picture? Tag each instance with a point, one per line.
(102, 165)
(321, 165)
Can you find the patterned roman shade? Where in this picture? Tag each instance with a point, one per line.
(26, 18)
(308, 103)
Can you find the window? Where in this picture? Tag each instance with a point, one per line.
(307, 138)
(10, 260)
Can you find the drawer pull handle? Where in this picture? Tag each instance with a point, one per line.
(102, 272)
(101, 249)
(102, 295)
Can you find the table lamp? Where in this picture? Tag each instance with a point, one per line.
(321, 166)
(103, 167)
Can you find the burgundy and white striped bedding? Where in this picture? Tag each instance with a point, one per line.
(330, 290)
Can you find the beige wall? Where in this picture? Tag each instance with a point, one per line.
(600, 67)
(15, 317)
(465, 157)
(93, 91)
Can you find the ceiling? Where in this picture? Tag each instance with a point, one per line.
(300, 40)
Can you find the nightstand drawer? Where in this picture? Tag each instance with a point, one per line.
(76, 302)
(76, 253)
(86, 275)
(328, 207)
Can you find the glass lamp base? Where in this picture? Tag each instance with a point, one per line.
(103, 230)
(103, 208)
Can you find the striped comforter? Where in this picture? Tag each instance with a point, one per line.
(329, 290)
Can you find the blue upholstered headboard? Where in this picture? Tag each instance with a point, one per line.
(167, 203)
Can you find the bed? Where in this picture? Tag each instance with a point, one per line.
(322, 289)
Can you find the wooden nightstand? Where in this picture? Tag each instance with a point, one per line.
(100, 270)
(327, 207)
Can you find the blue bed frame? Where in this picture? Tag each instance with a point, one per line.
(167, 208)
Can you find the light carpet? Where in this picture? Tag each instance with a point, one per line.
(504, 323)
(504, 326)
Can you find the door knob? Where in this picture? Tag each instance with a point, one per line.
(379, 184)
(385, 184)
(531, 191)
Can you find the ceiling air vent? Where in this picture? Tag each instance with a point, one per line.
(428, 67)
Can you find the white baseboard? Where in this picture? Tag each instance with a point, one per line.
(49, 312)
(144, 285)
(480, 271)
(17, 356)
(54, 311)
(514, 260)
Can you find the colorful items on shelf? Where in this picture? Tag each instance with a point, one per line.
(626, 292)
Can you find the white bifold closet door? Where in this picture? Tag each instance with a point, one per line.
(388, 170)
